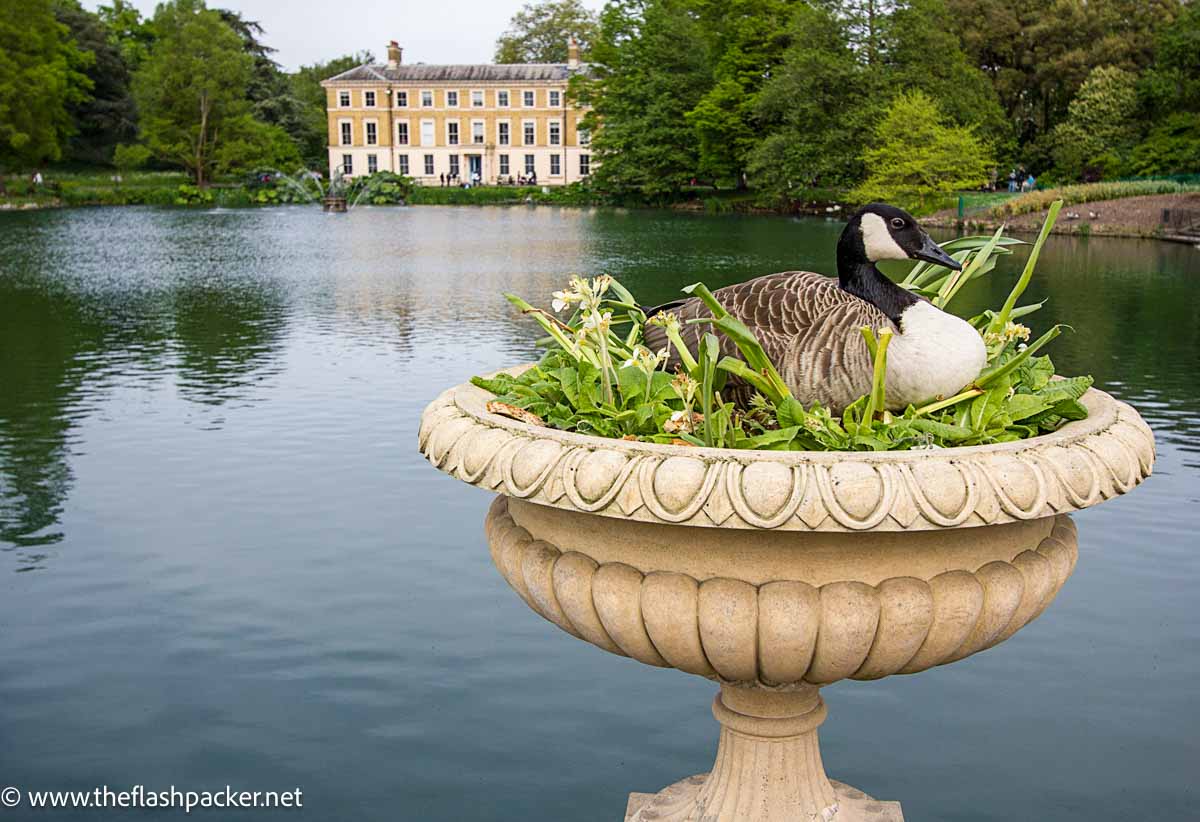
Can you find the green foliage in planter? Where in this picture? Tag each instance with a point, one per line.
(597, 378)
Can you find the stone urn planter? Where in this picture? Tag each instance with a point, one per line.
(335, 204)
(777, 573)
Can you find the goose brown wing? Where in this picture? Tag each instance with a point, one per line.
(806, 325)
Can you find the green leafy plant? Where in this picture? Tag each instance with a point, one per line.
(598, 378)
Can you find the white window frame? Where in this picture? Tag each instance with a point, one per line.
(507, 98)
(523, 133)
(432, 132)
(427, 94)
(349, 98)
(454, 165)
(370, 122)
(446, 97)
(402, 164)
(403, 124)
(342, 123)
(529, 163)
(457, 141)
(503, 165)
(482, 98)
(555, 160)
(499, 141)
(402, 94)
(429, 165)
(585, 164)
(347, 164)
(550, 134)
(374, 97)
(583, 136)
(372, 159)
(525, 91)
(550, 97)
(482, 126)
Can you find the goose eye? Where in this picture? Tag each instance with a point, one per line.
(897, 222)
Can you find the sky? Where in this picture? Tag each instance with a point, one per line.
(431, 31)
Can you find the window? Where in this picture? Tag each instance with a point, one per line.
(555, 98)
(402, 162)
(453, 165)
(427, 133)
(527, 99)
(530, 132)
(451, 99)
(402, 133)
(584, 136)
(555, 133)
(477, 99)
(426, 99)
(477, 131)
(555, 165)
(585, 165)
(528, 164)
(452, 133)
(502, 99)
(344, 99)
(371, 130)
(347, 164)
(402, 99)
(504, 171)
(369, 99)
(428, 165)
(347, 132)
(372, 164)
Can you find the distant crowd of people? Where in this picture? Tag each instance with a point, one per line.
(453, 180)
(1020, 180)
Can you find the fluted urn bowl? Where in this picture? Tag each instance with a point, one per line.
(776, 573)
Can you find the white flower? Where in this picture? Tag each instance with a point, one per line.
(677, 416)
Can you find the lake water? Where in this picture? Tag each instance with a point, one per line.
(222, 560)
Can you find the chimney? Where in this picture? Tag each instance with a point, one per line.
(572, 52)
(395, 53)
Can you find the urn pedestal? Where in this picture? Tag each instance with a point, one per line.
(776, 573)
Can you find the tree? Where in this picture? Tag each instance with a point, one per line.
(923, 53)
(41, 74)
(128, 32)
(1100, 128)
(650, 70)
(538, 33)
(108, 116)
(917, 154)
(818, 110)
(192, 88)
(746, 41)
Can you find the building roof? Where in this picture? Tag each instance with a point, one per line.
(421, 72)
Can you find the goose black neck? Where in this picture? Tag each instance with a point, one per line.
(858, 276)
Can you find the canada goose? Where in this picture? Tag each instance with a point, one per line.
(809, 324)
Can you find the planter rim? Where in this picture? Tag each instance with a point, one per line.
(1081, 464)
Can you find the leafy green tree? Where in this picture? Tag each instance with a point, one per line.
(922, 52)
(1100, 128)
(128, 31)
(256, 145)
(917, 154)
(108, 116)
(538, 32)
(192, 88)
(747, 40)
(818, 110)
(1171, 147)
(41, 76)
(650, 70)
(312, 132)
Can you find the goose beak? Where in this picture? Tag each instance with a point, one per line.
(931, 252)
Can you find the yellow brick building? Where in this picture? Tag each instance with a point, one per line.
(487, 123)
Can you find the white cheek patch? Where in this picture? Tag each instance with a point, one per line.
(877, 240)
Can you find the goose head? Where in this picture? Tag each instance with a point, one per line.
(882, 232)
